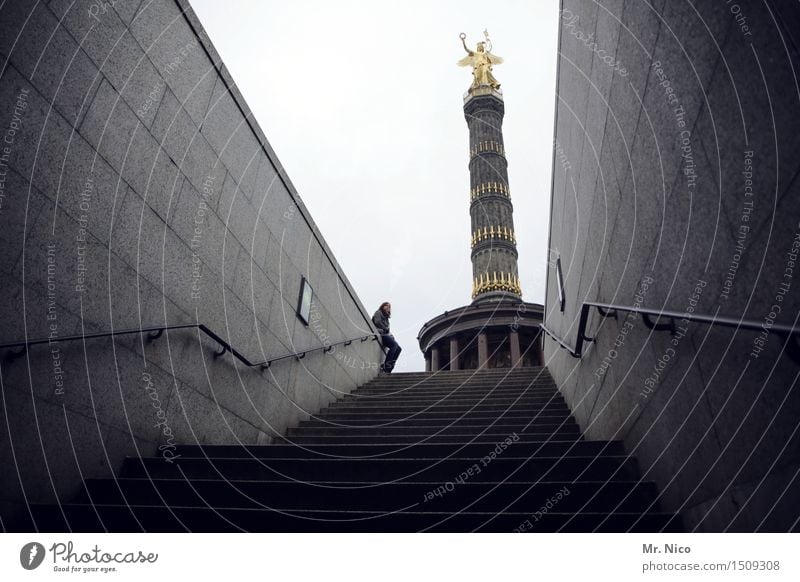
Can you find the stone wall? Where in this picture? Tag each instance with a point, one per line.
(138, 191)
(676, 187)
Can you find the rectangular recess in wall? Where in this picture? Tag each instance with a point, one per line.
(304, 301)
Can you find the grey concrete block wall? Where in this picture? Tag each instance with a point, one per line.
(138, 191)
(645, 193)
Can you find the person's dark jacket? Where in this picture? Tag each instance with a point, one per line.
(381, 321)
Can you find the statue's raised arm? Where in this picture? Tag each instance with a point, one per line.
(467, 60)
(463, 38)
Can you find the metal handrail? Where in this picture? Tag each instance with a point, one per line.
(610, 309)
(156, 332)
(559, 341)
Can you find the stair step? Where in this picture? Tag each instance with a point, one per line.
(410, 440)
(420, 451)
(477, 421)
(489, 408)
(445, 413)
(492, 372)
(447, 394)
(452, 398)
(406, 387)
(461, 379)
(444, 417)
(456, 389)
(601, 496)
(501, 468)
(425, 431)
(180, 519)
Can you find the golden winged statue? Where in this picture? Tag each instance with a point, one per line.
(481, 61)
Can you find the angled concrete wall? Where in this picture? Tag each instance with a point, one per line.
(676, 187)
(138, 190)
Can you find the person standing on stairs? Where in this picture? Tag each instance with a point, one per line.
(381, 321)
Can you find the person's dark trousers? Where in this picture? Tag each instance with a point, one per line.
(393, 353)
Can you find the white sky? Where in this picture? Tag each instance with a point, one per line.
(362, 102)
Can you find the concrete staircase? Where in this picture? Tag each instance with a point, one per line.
(494, 451)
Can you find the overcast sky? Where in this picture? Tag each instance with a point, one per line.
(362, 102)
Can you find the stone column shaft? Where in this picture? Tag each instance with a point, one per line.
(483, 351)
(454, 364)
(434, 359)
(513, 339)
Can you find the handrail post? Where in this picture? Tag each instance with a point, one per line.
(154, 335)
(13, 355)
(655, 326)
(582, 330)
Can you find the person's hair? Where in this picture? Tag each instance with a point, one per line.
(384, 304)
